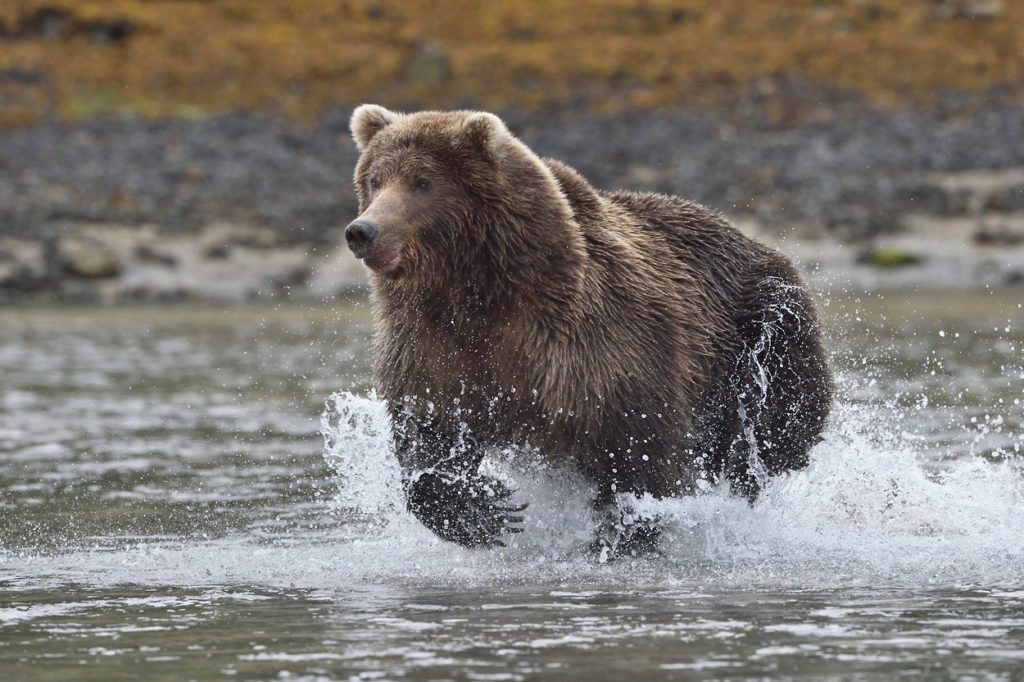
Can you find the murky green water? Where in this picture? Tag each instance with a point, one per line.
(169, 510)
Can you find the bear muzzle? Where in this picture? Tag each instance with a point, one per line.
(360, 236)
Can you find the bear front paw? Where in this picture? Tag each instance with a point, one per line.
(471, 511)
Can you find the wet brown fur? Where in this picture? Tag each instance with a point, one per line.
(610, 328)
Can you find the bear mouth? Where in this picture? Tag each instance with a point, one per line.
(381, 262)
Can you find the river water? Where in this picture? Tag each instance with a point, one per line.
(196, 493)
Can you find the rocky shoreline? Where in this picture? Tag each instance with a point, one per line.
(242, 207)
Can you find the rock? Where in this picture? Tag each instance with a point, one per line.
(147, 254)
(997, 235)
(87, 259)
(292, 280)
(1006, 200)
(17, 277)
(932, 198)
(967, 9)
(218, 251)
(22, 265)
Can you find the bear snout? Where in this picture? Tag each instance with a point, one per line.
(360, 235)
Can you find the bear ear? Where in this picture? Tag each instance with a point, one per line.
(367, 121)
(487, 133)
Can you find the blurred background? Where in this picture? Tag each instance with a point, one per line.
(198, 149)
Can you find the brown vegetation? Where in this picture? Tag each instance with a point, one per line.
(77, 58)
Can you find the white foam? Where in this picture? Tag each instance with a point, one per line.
(356, 434)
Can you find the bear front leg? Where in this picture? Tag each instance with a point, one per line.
(623, 531)
(444, 490)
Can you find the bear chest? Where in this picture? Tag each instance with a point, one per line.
(480, 379)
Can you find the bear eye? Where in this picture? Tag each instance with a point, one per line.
(422, 184)
(374, 184)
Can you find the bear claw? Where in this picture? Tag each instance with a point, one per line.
(464, 509)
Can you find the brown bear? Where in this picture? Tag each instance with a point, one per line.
(640, 337)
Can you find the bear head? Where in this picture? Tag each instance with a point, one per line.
(447, 194)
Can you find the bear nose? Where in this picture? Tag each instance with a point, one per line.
(360, 235)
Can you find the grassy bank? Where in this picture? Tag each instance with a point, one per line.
(79, 58)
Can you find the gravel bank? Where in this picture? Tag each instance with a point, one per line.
(240, 206)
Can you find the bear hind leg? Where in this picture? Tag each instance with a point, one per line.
(782, 390)
(623, 531)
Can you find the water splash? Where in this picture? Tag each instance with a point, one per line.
(874, 505)
(878, 506)
(356, 433)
